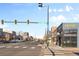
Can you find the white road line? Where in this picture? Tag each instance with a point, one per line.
(9, 47)
(16, 46)
(32, 47)
(24, 47)
(2, 46)
(39, 45)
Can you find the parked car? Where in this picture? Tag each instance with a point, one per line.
(16, 41)
(13, 41)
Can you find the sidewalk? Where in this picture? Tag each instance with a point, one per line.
(46, 51)
(59, 51)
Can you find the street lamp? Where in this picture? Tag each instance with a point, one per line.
(47, 6)
(40, 4)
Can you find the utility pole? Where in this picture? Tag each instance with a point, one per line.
(41, 5)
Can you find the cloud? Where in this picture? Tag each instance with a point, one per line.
(56, 20)
(60, 10)
(59, 17)
(76, 17)
(54, 10)
(40, 36)
(39, 8)
(5, 28)
(68, 8)
(71, 8)
(50, 10)
(3, 25)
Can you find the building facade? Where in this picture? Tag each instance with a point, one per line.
(68, 35)
(25, 36)
(54, 35)
(14, 36)
(1, 32)
(6, 34)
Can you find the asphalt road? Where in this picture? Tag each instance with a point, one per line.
(21, 50)
(32, 48)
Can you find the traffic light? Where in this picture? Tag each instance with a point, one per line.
(40, 4)
(2, 21)
(15, 21)
(27, 21)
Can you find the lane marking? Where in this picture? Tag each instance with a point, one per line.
(32, 47)
(16, 46)
(39, 45)
(9, 47)
(24, 47)
(2, 46)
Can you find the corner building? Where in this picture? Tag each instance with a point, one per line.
(68, 35)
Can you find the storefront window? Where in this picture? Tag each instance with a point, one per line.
(70, 38)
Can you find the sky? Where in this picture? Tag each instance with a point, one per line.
(58, 13)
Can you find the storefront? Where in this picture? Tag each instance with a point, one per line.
(69, 35)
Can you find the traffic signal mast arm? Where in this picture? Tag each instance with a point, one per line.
(15, 21)
(8, 21)
(34, 22)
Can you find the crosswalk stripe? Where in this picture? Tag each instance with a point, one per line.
(2, 46)
(16, 46)
(32, 47)
(39, 45)
(9, 47)
(13, 46)
(24, 47)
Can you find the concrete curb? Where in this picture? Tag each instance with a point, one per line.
(51, 51)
